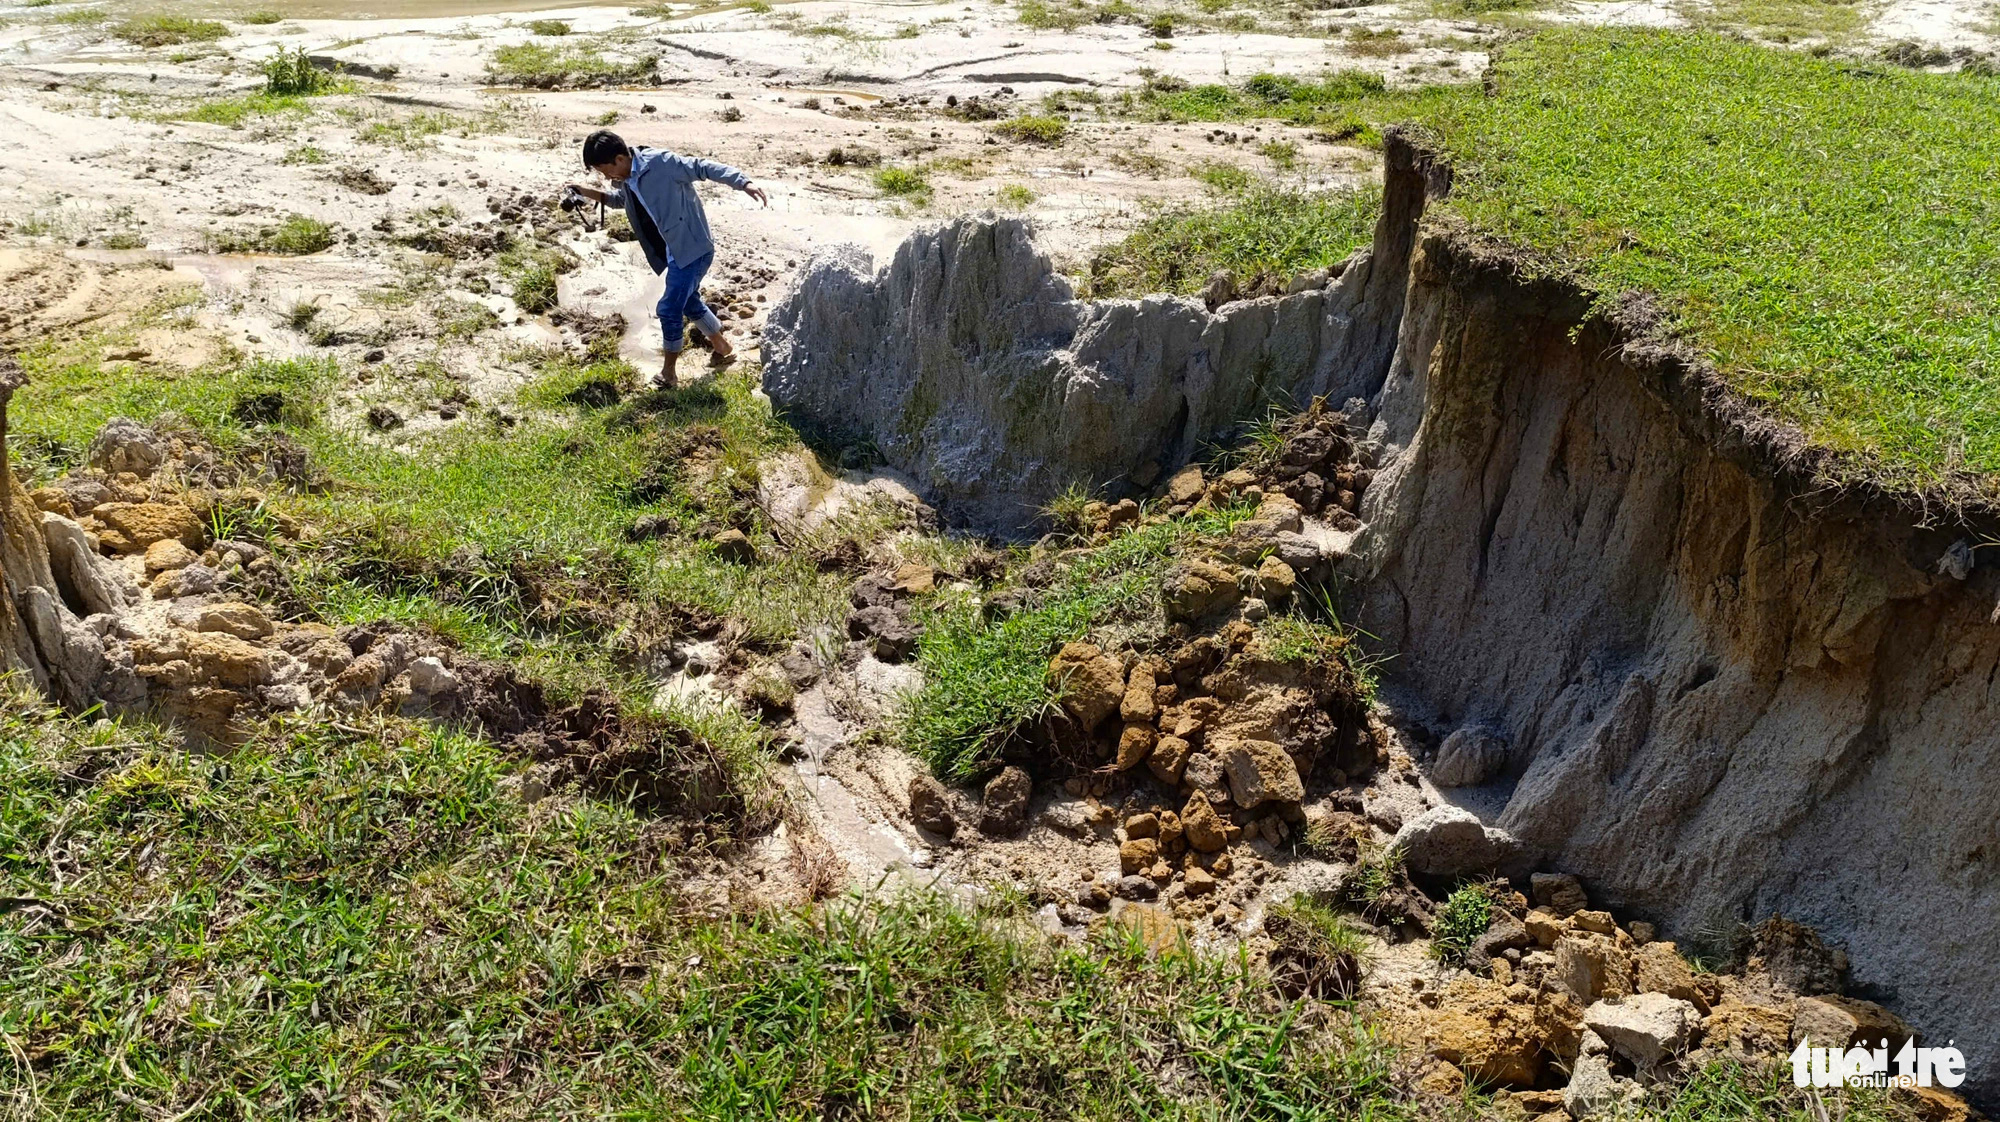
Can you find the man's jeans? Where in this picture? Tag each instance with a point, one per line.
(682, 302)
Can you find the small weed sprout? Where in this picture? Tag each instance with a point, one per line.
(1013, 196)
(291, 73)
(1466, 915)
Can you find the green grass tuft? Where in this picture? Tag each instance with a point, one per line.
(911, 183)
(548, 66)
(1013, 196)
(296, 236)
(168, 31)
(1267, 230)
(1033, 128)
(234, 112)
(1283, 96)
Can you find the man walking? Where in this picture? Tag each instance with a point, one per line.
(656, 188)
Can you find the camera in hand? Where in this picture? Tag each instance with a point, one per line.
(572, 200)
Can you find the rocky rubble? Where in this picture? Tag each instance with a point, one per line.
(1573, 1015)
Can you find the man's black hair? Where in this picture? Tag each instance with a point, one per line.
(602, 147)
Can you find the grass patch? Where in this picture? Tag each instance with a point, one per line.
(547, 65)
(986, 680)
(1221, 177)
(1331, 97)
(911, 183)
(304, 154)
(369, 915)
(1780, 21)
(548, 27)
(263, 19)
(1046, 17)
(234, 112)
(296, 236)
(1834, 266)
(1013, 196)
(72, 396)
(534, 273)
(412, 131)
(1032, 128)
(1268, 230)
(168, 31)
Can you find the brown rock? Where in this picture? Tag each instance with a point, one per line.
(1831, 1021)
(1185, 486)
(1559, 1024)
(915, 579)
(1659, 968)
(244, 621)
(1795, 957)
(1935, 1104)
(1168, 759)
(1172, 837)
(1282, 513)
(1005, 807)
(1600, 922)
(131, 527)
(1489, 1038)
(1747, 1029)
(1592, 966)
(1138, 704)
(1275, 581)
(1092, 683)
(54, 500)
(930, 806)
(1204, 828)
(1142, 826)
(1121, 513)
(1138, 855)
(1544, 926)
(1134, 745)
(1259, 772)
(1196, 882)
(1197, 589)
(1442, 1080)
(169, 554)
(1559, 892)
(1234, 482)
(186, 659)
(734, 546)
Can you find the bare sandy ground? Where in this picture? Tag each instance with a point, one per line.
(91, 153)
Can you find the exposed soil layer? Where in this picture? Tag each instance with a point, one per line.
(1724, 695)
(1626, 624)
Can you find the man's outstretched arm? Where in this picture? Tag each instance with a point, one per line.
(700, 167)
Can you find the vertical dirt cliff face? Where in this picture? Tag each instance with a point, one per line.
(968, 362)
(1728, 694)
